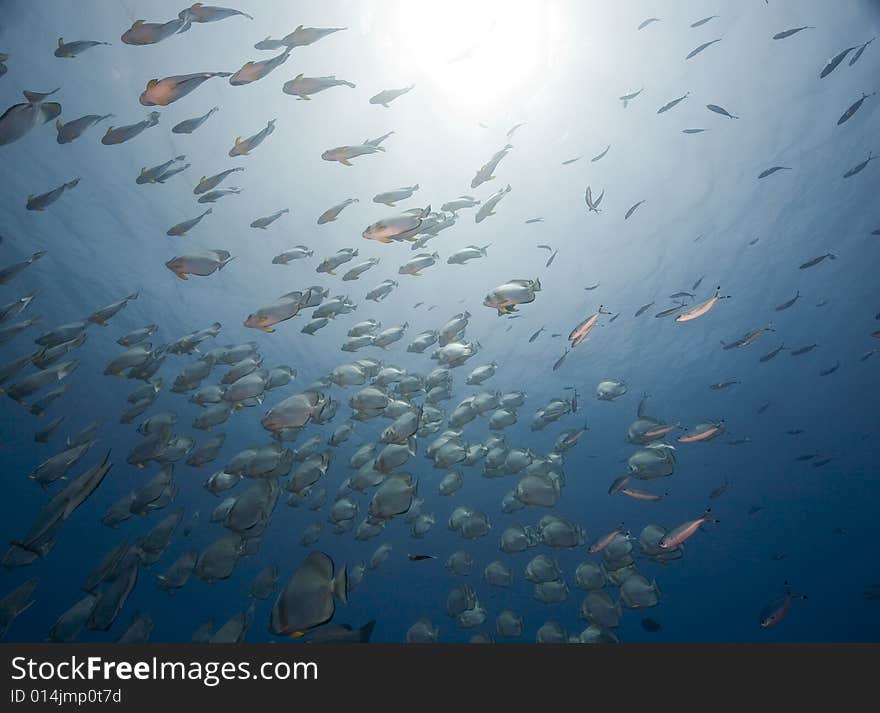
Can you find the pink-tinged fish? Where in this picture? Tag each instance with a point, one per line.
(685, 531)
(701, 308)
(778, 609)
(580, 333)
(660, 431)
(702, 432)
(641, 494)
(606, 540)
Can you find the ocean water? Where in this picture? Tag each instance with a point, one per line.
(479, 68)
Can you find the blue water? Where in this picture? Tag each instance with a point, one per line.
(560, 68)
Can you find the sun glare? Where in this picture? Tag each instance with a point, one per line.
(476, 52)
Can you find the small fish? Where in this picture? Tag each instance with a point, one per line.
(854, 107)
(632, 210)
(816, 260)
(552, 258)
(720, 490)
(793, 31)
(627, 98)
(670, 104)
(591, 287)
(546, 247)
(644, 308)
(804, 350)
(421, 558)
(754, 242)
(773, 169)
(571, 160)
(670, 311)
(649, 21)
(641, 494)
(771, 354)
(778, 609)
(560, 360)
(697, 284)
(693, 131)
(721, 110)
(536, 335)
(855, 57)
(821, 303)
(858, 168)
(613, 317)
(789, 303)
(739, 442)
(834, 61)
(806, 457)
(534, 220)
(679, 295)
(763, 407)
(822, 461)
(777, 556)
(697, 50)
(724, 384)
(830, 370)
(795, 431)
(601, 155)
(649, 624)
(754, 510)
(700, 23)
(593, 204)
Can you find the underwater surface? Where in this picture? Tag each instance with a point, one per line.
(564, 105)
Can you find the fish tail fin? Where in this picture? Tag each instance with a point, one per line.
(340, 585)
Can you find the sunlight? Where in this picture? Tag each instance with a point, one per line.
(478, 51)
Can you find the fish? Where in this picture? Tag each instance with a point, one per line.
(551, 258)
(344, 154)
(560, 360)
(717, 492)
(201, 264)
(793, 31)
(858, 53)
(181, 229)
(149, 33)
(636, 494)
(254, 71)
(647, 22)
(703, 21)
(830, 370)
(771, 354)
(788, 303)
(162, 92)
(537, 334)
(670, 104)
(44, 200)
(600, 155)
(858, 168)
(534, 220)
(590, 288)
(679, 535)
(263, 223)
(853, 108)
(19, 119)
(778, 608)
(582, 331)
(75, 128)
(702, 308)
(644, 308)
(421, 558)
(593, 204)
(627, 98)
(803, 350)
(670, 311)
(121, 134)
(720, 110)
(386, 96)
(188, 126)
(569, 161)
(206, 184)
(773, 169)
(834, 61)
(763, 407)
(331, 214)
(632, 210)
(724, 384)
(693, 131)
(694, 52)
(244, 147)
(70, 50)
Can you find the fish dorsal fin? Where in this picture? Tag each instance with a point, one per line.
(137, 23)
(61, 42)
(196, 4)
(237, 140)
(298, 76)
(152, 83)
(202, 179)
